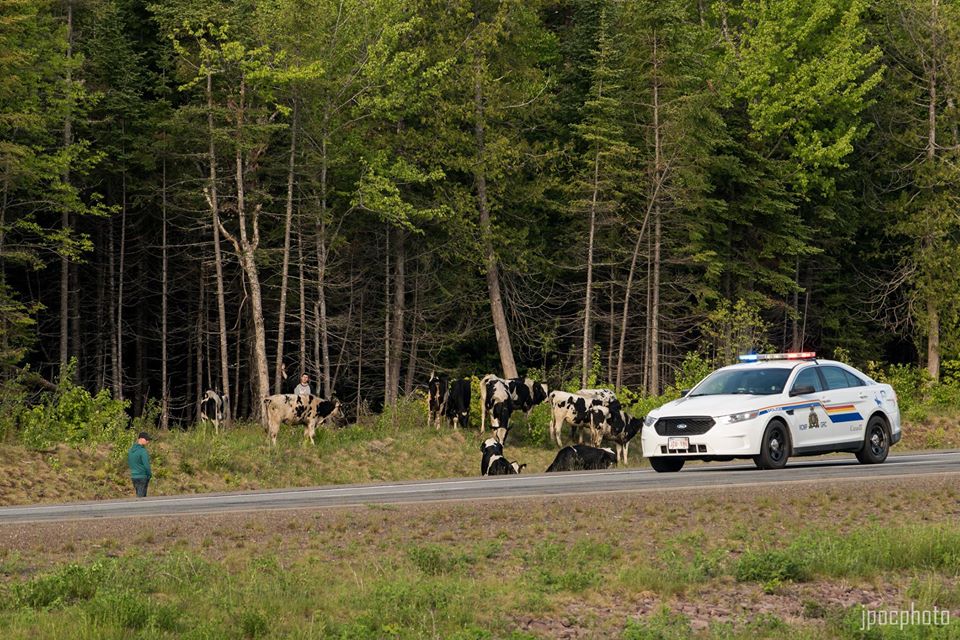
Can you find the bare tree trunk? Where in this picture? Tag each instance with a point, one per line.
(933, 311)
(201, 329)
(387, 351)
(164, 383)
(414, 339)
(360, 358)
(322, 250)
(612, 330)
(303, 303)
(322, 323)
(218, 260)
(655, 307)
(245, 244)
(65, 216)
(629, 288)
(397, 323)
(795, 337)
(588, 298)
(114, 347)
(654, 388)
(288, 223)
(120, 280)
(486, 228)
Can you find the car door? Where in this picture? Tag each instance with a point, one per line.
(844, 402)
(808, 419)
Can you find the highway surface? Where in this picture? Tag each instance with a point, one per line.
(696, 476)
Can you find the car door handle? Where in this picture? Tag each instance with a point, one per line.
(864, 396)
(824, 400)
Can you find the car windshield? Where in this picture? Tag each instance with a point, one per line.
(759, 382)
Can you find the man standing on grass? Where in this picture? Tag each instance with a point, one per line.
(139, 461)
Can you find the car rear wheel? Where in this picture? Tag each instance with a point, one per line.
(666, 465)
(876, 444)
(774, 448)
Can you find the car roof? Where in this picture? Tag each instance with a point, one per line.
(786, 364)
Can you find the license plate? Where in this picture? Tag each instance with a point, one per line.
(678, 443)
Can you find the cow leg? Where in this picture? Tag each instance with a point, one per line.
(501, 434)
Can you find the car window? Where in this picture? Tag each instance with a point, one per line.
(852, 380)
(808, 377)
(836, 377)
(743, 381)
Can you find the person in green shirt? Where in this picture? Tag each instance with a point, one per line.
(139, 461)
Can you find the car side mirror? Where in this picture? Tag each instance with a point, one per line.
(802, 390)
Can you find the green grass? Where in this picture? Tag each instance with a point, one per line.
(460, 589)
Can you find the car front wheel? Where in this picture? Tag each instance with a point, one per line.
(774, 448)
(876, 444)
(666, 465)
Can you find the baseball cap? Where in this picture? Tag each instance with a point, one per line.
(144, 435)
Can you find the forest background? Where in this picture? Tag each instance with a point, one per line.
(221, 195)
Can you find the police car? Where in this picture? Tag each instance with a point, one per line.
(773, 406)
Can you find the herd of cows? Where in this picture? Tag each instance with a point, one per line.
(593, 412)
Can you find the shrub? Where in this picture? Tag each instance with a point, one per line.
(74, 416)
(70, 584)
(772, 567)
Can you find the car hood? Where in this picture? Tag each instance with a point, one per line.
(719, 405)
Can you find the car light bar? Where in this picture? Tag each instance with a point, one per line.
(796, 355)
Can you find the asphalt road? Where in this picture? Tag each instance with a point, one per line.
(704, 476)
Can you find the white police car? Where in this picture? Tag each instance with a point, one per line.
(773, 406)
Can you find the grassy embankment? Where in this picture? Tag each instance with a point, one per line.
(390, 447)
(799, 562)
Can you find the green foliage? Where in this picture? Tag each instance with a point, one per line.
(732, 329)
(553, 567)
(917, 394)
(72, 415)
(72, 583)
(772, 567)
(663, 625)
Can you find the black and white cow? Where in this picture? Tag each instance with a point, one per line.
(527, 393)
(581, 457)
(572, 409)
(489, 448)
(613, 424)
(523, 393)
(310, 411)
(500, 466)
(603, 397)
(498, 401)
(437, 398)
(457, 405)
(211, 409)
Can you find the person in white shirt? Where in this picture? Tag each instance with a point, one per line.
(303, 389)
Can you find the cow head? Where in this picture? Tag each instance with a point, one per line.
(634, 425)
(517, 468)
(491, 445)
(337, 410)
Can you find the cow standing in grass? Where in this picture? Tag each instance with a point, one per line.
(289, 408)
(211, 409)
(437, 389)
(613, 424)
(457, 405)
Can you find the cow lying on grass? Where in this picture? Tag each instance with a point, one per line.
(581, 457)
(493, 463)
(310, 411)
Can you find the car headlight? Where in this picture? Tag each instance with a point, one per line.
(742, 416)
(649, 421)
